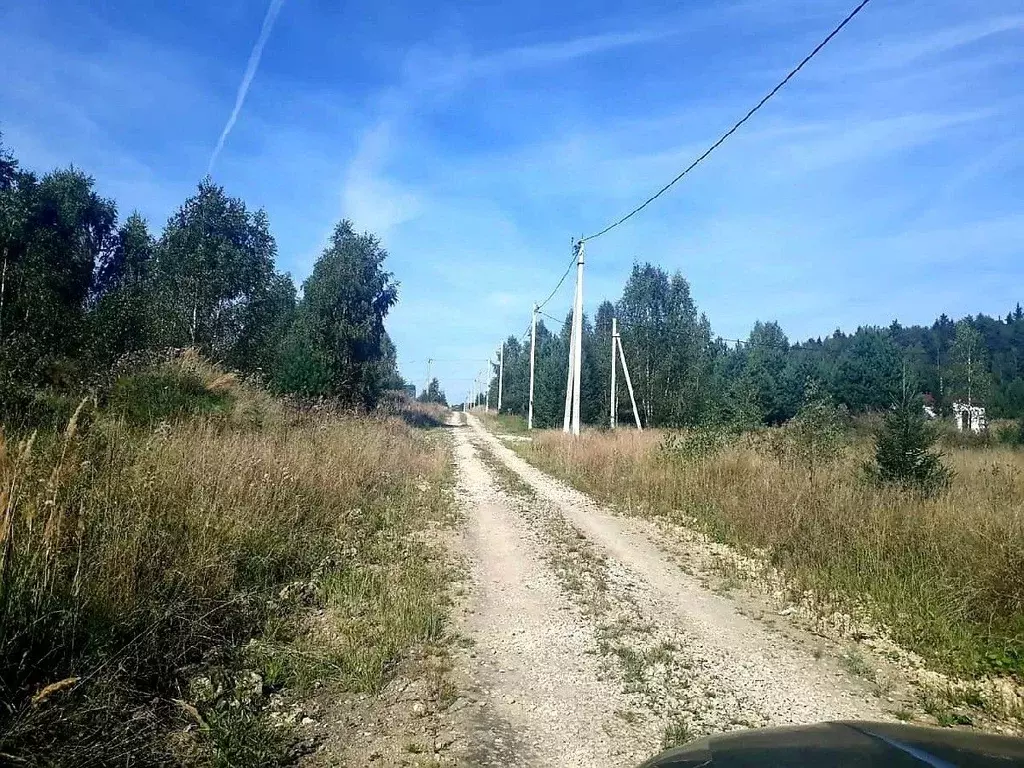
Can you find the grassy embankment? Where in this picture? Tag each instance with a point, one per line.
(945, 574)
(161, 558)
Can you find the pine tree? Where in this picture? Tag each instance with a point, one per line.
(904, 454)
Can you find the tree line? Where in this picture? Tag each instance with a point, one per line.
(684, 375)
(80, 290)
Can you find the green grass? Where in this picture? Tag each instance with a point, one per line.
(504, 423)
(676, 734)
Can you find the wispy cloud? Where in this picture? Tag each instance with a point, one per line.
(543, 54)
(432, 76)
(250, 73)
(905, 52)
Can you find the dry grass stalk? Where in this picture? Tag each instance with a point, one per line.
(52, 689)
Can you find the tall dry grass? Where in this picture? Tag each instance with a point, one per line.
(945, 573)
(129, 554)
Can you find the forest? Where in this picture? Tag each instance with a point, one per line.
(685, 375)
(83, 292)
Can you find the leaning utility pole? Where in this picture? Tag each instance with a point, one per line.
(613, 403)
(629, 382)
(501, 372)
(571, 421)
(533, 356)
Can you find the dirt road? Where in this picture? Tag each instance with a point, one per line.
(589, 646)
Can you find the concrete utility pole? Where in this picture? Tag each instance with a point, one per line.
(486, 376)
(613, 402)
(426, 386)
(501, 372)
(567, 417)
(533, 356)
(571, 420)
(629, 383)
(577, 367)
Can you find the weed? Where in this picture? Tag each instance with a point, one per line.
(676, 734)
(856, 663)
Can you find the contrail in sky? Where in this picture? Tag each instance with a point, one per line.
(250, 73)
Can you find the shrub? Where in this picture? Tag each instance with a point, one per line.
(817, 432)
(150, 397)
(700, 443)
(1011, 434)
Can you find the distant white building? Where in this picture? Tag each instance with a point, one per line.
(969, 417)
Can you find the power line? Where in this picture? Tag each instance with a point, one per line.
(551, 295)
(552, 317)
(736, 127)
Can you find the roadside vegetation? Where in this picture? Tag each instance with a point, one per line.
(188, 548)
(940, 564)
(163, 555)
(504, 423)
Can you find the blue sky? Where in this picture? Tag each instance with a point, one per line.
(887, 181)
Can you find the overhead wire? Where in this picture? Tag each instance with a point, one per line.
(721, 140)
(552, 317)
(736, 127)
(561, 280)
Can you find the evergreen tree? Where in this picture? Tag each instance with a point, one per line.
(904, 454)
(766, 354)
(866, 374)
(602, 342)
